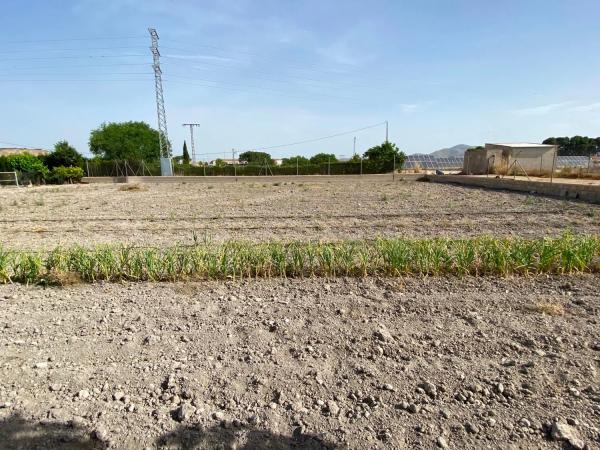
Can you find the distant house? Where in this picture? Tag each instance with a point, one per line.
(21, 151)
(510, 158)
(226, 161)
(278, 161)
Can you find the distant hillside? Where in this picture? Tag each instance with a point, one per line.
(458, 151)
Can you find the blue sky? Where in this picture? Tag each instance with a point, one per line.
(262, 73)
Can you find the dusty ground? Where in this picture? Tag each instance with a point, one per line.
(361, 363)
(159, 215)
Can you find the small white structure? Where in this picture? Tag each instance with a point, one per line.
(513, 158)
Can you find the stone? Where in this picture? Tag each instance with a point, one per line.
(55, 387)
(471, 428)
(101, 434)
(566, 433)
(382, 334)
(441, 442)
(412, 408)
(184, 412)
(218, 415)
(118, 395)
(83, 394)
(333, 408)
(41, 365)
(429, 388)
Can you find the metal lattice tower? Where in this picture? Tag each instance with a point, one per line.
(163, 137)
(192, 125)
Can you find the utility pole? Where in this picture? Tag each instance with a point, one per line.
(386, 131)
(354, 147)
(192, 125)
(166, 167)
(233, 152)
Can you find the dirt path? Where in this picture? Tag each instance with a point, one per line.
(419, 363)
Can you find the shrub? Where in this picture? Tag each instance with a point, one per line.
(62, 175)
(30, 168)
(63, 155)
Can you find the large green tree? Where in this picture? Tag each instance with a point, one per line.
(63, 155)
(252, 157)
(133, 141)
(323, 158)
(381, 157)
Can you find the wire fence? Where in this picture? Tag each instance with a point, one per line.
(142, 168)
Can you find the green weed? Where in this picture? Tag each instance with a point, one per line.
(479, 256)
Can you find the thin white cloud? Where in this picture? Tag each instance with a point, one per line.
(409, 107)
(586, 108)
(541, 110)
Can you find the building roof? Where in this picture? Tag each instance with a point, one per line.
(20, 151)
(522, 144)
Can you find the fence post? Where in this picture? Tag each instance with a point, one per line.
(297, 173)
(394, 170)
(553, 163)
(361, 165)
(329, 166)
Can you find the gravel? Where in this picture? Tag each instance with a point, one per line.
(275, 361)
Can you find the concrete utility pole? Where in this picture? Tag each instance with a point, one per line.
(192, 125)
(166, 167)
(386, 131)
(354, 147)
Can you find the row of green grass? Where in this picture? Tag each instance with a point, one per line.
(383, 257)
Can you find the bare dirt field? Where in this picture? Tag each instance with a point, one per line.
(361, 363)
(162, 214)
(313, 364)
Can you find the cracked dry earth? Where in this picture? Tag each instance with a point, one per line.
(314, 364)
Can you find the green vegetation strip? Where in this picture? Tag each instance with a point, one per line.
(387, 257)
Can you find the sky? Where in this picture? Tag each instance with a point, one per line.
(258, 74)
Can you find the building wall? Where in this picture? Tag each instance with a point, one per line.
(500, 159)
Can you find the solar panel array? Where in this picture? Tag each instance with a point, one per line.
(428, 162)
(572, 161)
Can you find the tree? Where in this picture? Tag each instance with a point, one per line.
(576, 145)
(220, 163)
(186, 155)
(252, 157)
(132, 141)
(355, 158)
(381, 157)
(323, 158)
(293, 160)
(63, 155)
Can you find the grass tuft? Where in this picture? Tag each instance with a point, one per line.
(134, 187)
(550, 309)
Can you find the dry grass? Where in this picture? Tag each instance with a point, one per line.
(135, 187)
(58, 277)
(550, 309)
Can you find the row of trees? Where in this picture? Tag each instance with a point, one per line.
(135, 141)
(576, 145)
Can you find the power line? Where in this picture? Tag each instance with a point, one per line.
(70, 57)
(45, 50)
(307, 141)
(19, 145)
(73, 39)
